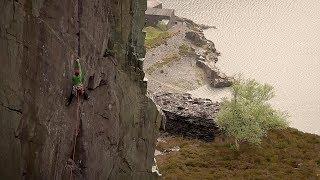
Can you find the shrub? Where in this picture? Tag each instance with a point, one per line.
(248, 116)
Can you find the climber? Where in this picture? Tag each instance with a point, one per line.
(77, 81)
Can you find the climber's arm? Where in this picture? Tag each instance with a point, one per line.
(77, 65)
(82, 77)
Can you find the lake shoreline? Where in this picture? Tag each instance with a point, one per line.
(274, 42)
(185, 50)
(204, 89)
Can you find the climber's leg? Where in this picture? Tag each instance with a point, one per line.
(69, 100)
(85, 95)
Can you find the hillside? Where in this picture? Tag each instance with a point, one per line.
(288, 154)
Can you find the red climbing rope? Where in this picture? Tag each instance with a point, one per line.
(76, 131)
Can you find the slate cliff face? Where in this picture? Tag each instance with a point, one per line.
(118, 123)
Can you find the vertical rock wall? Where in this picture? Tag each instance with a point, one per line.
(118, 123)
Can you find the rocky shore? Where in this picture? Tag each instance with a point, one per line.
(184, 62)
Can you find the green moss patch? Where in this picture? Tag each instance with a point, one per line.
(155, 37)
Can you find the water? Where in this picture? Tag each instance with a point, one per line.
(275, 42)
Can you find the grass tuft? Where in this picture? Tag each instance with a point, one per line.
(165, 61)
(155, 37)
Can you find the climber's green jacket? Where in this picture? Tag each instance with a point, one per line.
(78, 80)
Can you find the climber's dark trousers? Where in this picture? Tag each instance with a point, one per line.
(72, 95)
(85, 95)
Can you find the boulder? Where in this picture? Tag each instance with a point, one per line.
(216, 78)
(221, 82)
(188, 116)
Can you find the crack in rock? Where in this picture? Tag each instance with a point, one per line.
(19, 111)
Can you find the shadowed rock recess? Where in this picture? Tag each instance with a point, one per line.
(187, 116)
(118, 123)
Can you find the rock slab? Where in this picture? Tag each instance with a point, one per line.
(196, 38)
(188, 116)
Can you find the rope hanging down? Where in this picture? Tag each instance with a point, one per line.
(76, 133)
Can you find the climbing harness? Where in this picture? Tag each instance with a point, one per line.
(78, 89)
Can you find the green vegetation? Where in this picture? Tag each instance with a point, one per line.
(247, 116)
(155, 37)
(185, 50)
(165, 61)
(284, 154)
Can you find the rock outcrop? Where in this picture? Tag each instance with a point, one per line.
(187, 116)
(207, 56)
(196, 38)
(215, 76)
(118, 123)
